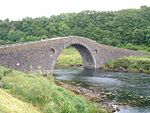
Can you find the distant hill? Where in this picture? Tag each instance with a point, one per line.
(119, 28)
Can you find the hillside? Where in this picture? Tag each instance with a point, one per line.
(19, 92)
(125, 28)
(10, 104)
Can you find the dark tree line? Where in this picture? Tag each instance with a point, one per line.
(125, 27)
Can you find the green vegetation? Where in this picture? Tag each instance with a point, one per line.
(9, 104)
(131, 64)
(126, 28)
(69, 57)
(132, 98)
(30, 90)
(136, 47)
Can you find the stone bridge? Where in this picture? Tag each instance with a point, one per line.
(42, 55)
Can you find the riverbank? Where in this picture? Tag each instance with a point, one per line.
(92, 94)
(71, 57)
(103, 95)
(118, 89)
(42, 93)
(129, 64)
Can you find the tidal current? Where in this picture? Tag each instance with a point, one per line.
(130, 88)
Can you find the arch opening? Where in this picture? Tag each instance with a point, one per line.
(83, 57)
(88, 60)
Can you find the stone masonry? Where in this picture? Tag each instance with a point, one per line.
(42, 55)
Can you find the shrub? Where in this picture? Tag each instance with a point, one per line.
(1, 75)
(124, 63)
(3, 72)
(131, 47)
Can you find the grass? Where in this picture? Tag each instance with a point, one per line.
(9, 104)
(130, 64)
(42, 93)
(69, 56)
(30, 93)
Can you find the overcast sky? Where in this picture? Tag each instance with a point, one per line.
(18, 9)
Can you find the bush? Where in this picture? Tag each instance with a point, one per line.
(131, 47)
(122, 63)
(143, 65)
(2, 42)
(148, 49)
(1, 75)
(111, 42)
(3, 72)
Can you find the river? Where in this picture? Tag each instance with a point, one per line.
(130, 88)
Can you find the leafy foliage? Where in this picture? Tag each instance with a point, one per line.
(130, 46)
(111, 28)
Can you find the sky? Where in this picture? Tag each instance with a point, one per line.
(18, 9)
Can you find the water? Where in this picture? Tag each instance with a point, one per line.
(133, 88)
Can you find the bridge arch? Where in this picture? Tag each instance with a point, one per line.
(42, 55)
(85, 52)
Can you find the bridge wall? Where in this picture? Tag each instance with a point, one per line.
(42, 55)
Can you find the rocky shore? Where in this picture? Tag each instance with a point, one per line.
(91, 94)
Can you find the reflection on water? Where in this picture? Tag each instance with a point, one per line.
(126, 86)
